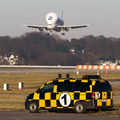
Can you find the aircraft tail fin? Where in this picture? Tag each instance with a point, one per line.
(62, 14)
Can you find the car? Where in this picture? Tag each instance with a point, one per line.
(89, 92)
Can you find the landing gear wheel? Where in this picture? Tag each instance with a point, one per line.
(33, 107)
(79, 108)
(48, 33)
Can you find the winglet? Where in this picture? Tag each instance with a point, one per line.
(90, 25)
(24, 25)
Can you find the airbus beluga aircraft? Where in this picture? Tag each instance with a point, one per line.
(56, 23)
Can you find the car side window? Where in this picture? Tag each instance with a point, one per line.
(48, 88)
(105, 86)
(81, 86)
(65, 86)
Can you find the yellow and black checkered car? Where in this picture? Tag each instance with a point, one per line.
(69, 93)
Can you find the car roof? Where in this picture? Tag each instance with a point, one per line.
(79, 79)
(95, 78)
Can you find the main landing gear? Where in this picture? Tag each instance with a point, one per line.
(63, 33)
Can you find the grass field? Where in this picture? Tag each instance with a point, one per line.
(12, 103)
(33, 81)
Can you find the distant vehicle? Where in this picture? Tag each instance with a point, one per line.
(56, 23)
(73, 94)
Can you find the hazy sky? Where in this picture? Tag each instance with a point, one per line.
(103, 14)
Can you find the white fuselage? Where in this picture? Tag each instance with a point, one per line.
(56, 23)
(53, 20)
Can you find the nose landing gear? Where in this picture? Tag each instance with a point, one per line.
(63, 33)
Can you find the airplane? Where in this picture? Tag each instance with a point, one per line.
(56, 23)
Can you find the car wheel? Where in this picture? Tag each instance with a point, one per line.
(79, 108)
(33, 107)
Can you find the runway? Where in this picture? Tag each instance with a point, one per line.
(25, 115)
(37, 70)
(44, 70)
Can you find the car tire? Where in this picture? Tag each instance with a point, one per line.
(79, 108)
(33, 107)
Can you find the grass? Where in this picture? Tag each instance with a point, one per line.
(33, 81)
(12, 103)
(114, 112)
(116, 102)
(116, 89)
(16, 103)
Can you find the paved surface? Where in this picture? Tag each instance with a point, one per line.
(115, 83)
(37, 71)
(50, 116)
(44, 70)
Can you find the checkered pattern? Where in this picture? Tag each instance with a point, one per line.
(50, 100)
(104, 100)
(98, 67)
(105, 97)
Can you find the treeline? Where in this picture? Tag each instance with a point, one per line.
(37, 48)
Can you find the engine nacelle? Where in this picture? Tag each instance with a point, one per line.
(66, 29)
(41, 29)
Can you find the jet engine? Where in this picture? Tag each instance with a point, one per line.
(66, 29)
(41, 29)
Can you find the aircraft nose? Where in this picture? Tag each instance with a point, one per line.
(50, 26)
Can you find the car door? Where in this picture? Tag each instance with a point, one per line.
(65, 94)
(45, 96)
(103, 94)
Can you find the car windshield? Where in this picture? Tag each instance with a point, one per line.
(38, 91)
(47, 88)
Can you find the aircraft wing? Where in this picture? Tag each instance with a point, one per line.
(34, 26)
(75, 26)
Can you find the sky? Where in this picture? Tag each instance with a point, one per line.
(103, 14)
